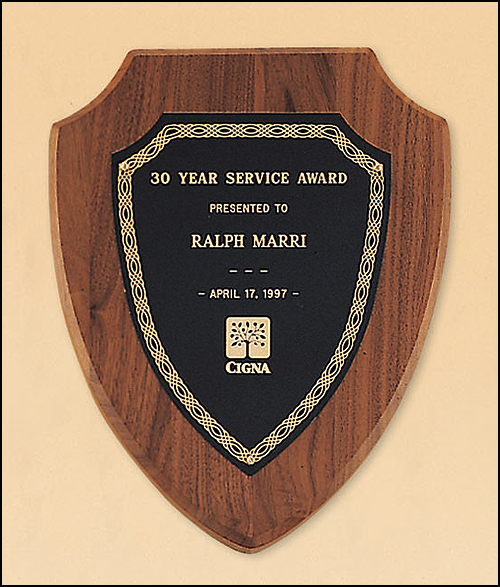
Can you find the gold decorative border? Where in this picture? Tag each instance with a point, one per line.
(126, 169)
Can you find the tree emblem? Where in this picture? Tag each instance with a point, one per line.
(248, 337)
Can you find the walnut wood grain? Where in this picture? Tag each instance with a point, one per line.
(248, 513)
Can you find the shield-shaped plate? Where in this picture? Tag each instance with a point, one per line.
(248, 246)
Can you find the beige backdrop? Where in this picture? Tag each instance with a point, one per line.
(422, 509)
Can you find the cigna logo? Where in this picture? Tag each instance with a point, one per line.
(248, 337)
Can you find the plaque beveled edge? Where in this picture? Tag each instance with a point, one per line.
(77, 338)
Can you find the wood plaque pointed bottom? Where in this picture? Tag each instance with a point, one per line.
(247, 512)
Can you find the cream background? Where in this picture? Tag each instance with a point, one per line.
(423, 507)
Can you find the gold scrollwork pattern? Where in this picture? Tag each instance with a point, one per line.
(145, 320)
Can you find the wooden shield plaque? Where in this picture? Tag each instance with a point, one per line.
(248, 247)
